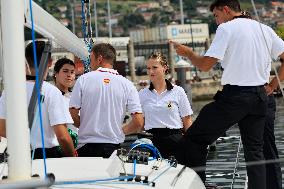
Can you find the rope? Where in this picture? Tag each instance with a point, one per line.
(155, 151)
(100, 184)
(93, 181)
(87, 30)
(134, 168)
(83, 20)
(90, 36)
(38, 89)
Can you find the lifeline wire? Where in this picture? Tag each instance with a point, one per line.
(38, 89)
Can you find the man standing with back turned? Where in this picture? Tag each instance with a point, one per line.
(245, 54)
(103, 96)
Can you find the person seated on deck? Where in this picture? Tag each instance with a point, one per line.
(103, 97)
(54, 116)
(166, 107)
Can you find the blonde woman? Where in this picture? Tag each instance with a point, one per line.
(165, 106)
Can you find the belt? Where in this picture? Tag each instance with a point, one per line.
(242, 88)
(164, 131)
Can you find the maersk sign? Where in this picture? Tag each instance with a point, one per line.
(180, 33)
(186, 30)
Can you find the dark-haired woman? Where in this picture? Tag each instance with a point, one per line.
(64, 78)
(165, 106)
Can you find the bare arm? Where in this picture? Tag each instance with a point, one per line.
(135, 125)
(64, 140)
(75, 116)
(187, 122)
(204, 63)
(3, 128)
(274, 82)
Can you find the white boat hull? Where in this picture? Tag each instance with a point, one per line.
(93, 168)
(85, 170)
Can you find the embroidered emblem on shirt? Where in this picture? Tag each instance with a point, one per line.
(170, 105)
(106, 81)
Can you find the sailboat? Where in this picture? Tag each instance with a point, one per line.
(79, 172)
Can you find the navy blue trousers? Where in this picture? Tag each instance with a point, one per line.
(97, 150)
(234, 104)
(273, 170)
(166, 140)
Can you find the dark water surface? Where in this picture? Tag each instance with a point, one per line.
(221, 163)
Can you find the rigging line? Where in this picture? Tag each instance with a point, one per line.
(86, 22)
(274, 68)
(83, 20)
(86, 26)
(85, 33)
(90, 23)
(104, 184)
(93, 181)
(38, 89)
(134, 168)
(236, 163)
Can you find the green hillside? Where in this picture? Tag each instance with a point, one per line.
(128, 17)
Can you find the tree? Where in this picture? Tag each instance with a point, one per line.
(280, 31)
(154, 20)
(211, 23)
(133, 19)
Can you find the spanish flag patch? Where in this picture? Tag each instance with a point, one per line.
(106, 81)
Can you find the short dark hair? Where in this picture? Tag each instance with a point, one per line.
(60, 63)
(29, 52)
(106, 50)
(232, 4)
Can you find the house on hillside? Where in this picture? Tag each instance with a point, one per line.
(144, 7)
(277, 6)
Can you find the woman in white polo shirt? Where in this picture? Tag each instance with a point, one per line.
(64, 79)
(165, 106)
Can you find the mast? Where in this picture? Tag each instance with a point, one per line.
(181, 12)
(17, 132)
(1, 58)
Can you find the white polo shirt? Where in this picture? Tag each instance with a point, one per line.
(240, 46)
(164, 110)
(103, 97)
(66, 98)
(52, 114)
